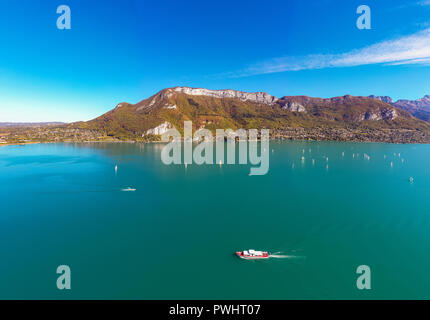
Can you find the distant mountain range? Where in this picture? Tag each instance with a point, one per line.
(418, 108)
(345, 118)
(29, 124)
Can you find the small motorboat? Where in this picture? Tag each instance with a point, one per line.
(252, 254)
(128, 189)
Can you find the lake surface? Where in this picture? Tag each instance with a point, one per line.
(174, 237)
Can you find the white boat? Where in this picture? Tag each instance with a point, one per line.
(252, 254)
(128, 189)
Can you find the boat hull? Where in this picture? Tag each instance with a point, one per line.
(249, 257)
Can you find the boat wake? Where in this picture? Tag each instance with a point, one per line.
(279, 255)
(282, 256)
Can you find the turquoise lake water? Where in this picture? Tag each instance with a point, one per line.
(174, 237)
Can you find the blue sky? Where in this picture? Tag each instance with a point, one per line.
(128, 50)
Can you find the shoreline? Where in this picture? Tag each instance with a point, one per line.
(161, 142)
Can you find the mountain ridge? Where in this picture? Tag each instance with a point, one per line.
(320, 118)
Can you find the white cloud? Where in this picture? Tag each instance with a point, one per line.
(425, 61)
(424, 3)
(412, 49)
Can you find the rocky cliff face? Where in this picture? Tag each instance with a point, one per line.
(159, 130)
(385, 99)
(293, 106)
(257, 97)
(383, 114)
